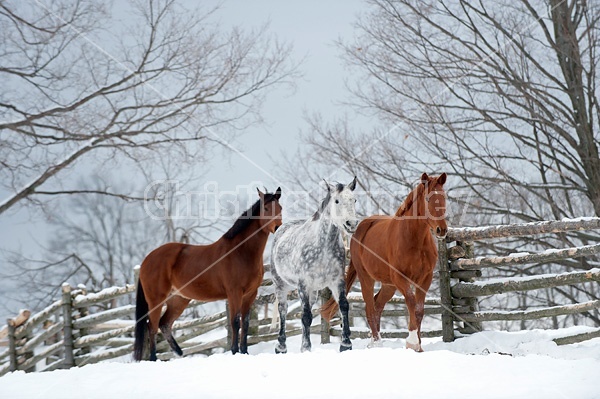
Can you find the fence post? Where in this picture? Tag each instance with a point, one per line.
(445, 292)
(82, 313)
(67, 306)
(472, 304)
(325, 335)
(12, 346)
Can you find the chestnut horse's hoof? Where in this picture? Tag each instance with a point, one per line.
(375, 344)
(415, 347)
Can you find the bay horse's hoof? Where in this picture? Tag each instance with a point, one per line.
(345, 347)
(280, 349)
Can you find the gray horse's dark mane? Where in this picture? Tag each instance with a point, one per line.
(339, 187)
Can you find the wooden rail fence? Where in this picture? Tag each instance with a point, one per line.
(82, 328)
(459, 290)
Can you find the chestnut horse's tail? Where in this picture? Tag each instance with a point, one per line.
(141, 323)
(330, 307)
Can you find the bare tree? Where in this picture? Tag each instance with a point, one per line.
(97, 240)
(502, 95)
(77, 81)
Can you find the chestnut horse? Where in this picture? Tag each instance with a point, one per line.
(401, 253)
(230, 268)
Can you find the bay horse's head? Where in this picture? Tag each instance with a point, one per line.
(270, 210)
(342, 205)
(435, 203)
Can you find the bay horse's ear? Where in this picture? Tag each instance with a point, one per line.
(352, 184)
(277, 193)
(260, 193)
(442, 179)
(424, 177)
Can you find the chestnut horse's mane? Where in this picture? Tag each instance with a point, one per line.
(410, 200)
(246, 218)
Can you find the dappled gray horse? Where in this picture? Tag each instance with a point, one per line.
(309, 255)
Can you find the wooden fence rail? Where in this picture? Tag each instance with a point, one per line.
(83, 328)
(459, 291)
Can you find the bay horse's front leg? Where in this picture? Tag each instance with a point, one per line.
(246, 306)
(282, 307)
(339, 294)
(304, 295)
(234, 321)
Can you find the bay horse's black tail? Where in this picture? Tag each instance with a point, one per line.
(141, 323)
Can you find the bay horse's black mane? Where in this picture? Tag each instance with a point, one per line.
(246, 218)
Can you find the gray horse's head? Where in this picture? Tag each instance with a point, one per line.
(342, 205)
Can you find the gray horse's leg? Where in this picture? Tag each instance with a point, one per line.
(304, 295)
(339, 294)
(282, 307)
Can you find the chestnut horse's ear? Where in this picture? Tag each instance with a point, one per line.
(442, 179)
(352, 184)
(260, 193)
(277, 193)
(424, 177)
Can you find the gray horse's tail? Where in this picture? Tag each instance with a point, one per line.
(330, 308)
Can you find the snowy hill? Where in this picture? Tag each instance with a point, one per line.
(486, 365)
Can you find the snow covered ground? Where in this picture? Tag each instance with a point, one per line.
(486, 365)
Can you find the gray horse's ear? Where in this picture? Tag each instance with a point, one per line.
(352, 184)
(327, 186)
(277, 193)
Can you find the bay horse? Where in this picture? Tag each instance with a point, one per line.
(309, 255)
(401, 253)
(230, 268)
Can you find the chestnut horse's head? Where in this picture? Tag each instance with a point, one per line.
(270, 212)
(435, 203)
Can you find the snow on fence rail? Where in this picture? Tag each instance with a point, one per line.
(82, 328)
(459, 298)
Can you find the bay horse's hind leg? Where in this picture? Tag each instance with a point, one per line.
(175, 306)
(304, 295)
(282, 307)
(153, 319)
(339, 294)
